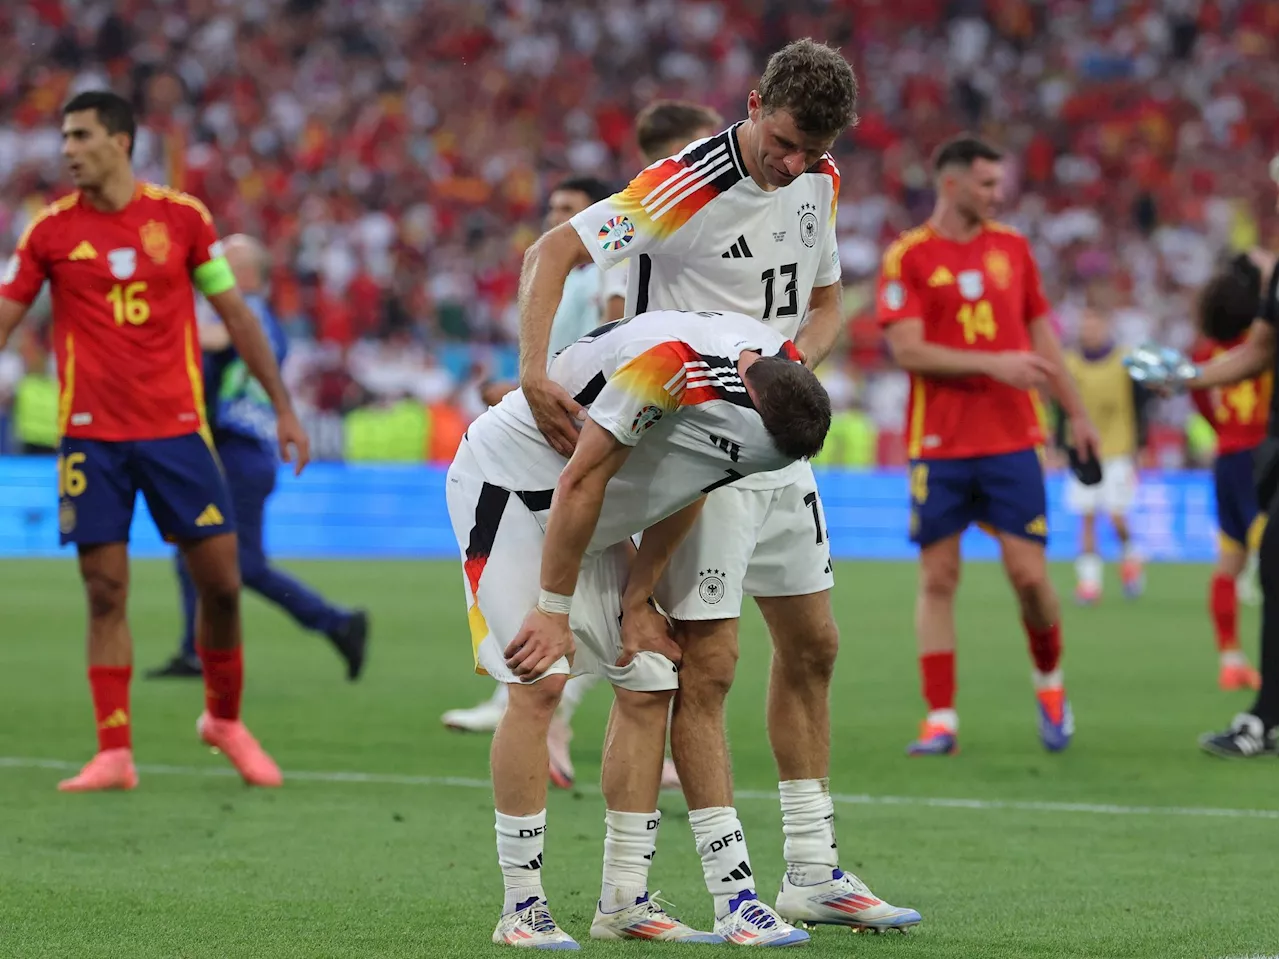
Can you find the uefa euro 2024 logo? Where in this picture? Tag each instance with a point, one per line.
(616, 233)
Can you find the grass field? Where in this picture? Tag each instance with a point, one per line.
(1131, 844)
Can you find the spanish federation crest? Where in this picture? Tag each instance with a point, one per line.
(808, 225)
(123, 262)
(998, 268)
(155, 241)
(971, 284)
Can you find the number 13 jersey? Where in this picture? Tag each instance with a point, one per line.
(702, 235)
(124, 326)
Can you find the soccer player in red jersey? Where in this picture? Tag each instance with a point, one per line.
(1238, 413)
(963, 312)
(123, 259)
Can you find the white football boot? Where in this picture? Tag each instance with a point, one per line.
(483, 718)
(532, 928)
(753, 923)
(646, 919)
(843, 900)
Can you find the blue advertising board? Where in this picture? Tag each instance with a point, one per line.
(339, 510)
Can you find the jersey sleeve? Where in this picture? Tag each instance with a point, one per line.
(642, 391)
(650, 215)
(898, 294)
(210, 272)
(1035, 304)
(25, 271)
(829, 262)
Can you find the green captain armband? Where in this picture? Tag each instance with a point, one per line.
(214, 277)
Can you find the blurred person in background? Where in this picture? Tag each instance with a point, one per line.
(1237, 411)
(1116, 405)
(35, 398)
(243, 426)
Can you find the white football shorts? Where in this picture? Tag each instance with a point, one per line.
(752, 542)
(1114, 496)
(500, 540)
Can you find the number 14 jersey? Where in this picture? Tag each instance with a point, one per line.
(124, 326)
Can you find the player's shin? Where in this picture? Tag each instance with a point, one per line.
(808, 825)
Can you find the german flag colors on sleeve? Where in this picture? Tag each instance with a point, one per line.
(654, 384)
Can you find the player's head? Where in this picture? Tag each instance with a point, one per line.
(1095, 330)
(98, 130)
(665, 127)
(1229, 302)
(792, 403)
(572, 196)
(249, 262)
(805, 99)
(969, 173)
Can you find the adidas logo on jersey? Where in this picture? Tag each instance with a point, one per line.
(84, 251)
(941, 277)
(738, 250)
(212, 516)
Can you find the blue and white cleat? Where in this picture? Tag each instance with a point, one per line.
(843, 900)
(750, 922)
(1057, 722)
(935, 740)
(530, 926)
(646, 919)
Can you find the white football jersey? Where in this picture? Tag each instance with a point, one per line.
(702, 235)
(665, 383)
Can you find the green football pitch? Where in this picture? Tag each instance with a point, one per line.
(1131, 844)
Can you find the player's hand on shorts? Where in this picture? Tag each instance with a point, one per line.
(543, 638)
(295, 447)
(644, 628)
(1021, 370)
(558, 415)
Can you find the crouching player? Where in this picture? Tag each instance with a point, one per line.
(675, 409)
(1237, 411)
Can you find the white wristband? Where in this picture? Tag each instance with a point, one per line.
(557, 604)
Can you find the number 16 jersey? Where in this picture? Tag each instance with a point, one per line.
(124, 326)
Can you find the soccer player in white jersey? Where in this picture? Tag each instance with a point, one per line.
(578, 312)
(674, 409)
(742, 221)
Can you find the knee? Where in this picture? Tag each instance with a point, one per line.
(643, 706)
(221, 597)
(107, 595)
(940, 578)
(537, 702)
(710, 659)
(1029, 581)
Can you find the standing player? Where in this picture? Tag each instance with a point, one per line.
(675, 407)
(963, 312)
(576, 313)
(1114, 403)
(243, 426)
(123, 259)
(1238, 413)
(744, 221)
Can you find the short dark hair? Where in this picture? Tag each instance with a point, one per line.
(792, 403)
(665, 121)
(595, 188)
(1231, 300)
(963, 150)
(114, 112)
(815, 84)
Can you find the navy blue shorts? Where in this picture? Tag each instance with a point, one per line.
(1004, 493)
(181, 478)
(1236, 500)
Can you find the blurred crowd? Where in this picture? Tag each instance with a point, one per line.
(395, 154)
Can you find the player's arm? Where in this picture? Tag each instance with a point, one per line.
(1255, 356)
(657, 546)
(823, 321)
(547, 265)
(24, 274)
(915, 354)
(11, 314)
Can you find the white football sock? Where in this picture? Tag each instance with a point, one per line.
(1089, 570)
(726, 866)
(808, 825)
(574, 690)
(944, 717)
(520, 841)
(1050, 680)
(630, 841)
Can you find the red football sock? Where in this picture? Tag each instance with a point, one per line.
(1222, 606)
(223, 681)
(110, 687)
(1045, 644)
(938, 679)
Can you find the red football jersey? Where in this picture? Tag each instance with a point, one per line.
(124, 322)
(980, 295)
(1238, 412)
